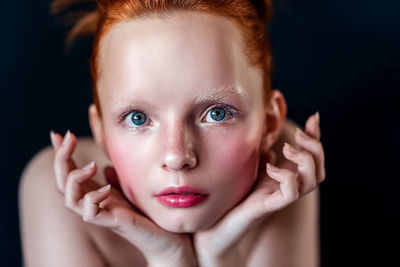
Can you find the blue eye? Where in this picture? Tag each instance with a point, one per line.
(135, 119)
(219, 114)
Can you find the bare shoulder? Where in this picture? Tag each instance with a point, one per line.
(51, 234)
(290, 237)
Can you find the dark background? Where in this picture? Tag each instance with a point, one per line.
(339, 57)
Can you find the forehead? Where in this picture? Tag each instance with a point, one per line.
(187, 51)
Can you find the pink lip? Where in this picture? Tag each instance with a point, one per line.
(181, 197)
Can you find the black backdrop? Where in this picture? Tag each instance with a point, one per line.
(339, 57)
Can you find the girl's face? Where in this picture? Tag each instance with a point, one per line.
(181, 109)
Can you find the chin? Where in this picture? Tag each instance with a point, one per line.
(183, 224)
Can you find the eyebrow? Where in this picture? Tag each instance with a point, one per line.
(215, 94)
(212, 95)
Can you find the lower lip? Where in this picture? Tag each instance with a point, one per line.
(181, 200)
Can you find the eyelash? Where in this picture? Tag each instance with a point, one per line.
(231, 112)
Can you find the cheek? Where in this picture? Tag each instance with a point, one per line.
(235, 159)
(129, 165)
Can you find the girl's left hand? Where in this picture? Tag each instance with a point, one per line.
(218, 245)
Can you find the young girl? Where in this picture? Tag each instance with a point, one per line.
(184, 113)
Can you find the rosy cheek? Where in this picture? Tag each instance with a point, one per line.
(241, 158)
(127, 165)
(235, 159)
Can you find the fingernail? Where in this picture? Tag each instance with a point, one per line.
(88, 166)
(67, 137)
(291, 148)
(317, 117)
(105, 188)
(272, 167)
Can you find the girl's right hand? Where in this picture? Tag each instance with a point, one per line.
(107, 207)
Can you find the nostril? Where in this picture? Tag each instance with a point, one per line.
(179, 162)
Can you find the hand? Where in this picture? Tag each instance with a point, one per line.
(107, 207)
(218, 245)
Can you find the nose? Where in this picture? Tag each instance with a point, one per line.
(177, 148)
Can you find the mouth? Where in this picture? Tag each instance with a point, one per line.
(181, 197)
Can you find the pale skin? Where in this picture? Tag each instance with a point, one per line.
(233, 232)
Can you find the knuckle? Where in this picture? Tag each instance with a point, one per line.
(288, 176)
(305, 160)
(308, 156)
(68, 203)
(87, 218)
(118, 226)
(60, 187)
(88, 198)
(293, 197)
(292, 176)
(314, 184)
(74, 174)
(296, 193)
(121, 220)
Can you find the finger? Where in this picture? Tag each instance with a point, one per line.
(63, 162)
(287, 181)
(312, 126)
(305, 165)
(315, 147)
(74, 189)
(91, 206)
(56, 139)
(99, 208)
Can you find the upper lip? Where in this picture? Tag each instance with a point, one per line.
(182, 190)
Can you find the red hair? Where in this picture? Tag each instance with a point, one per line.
(250, 16)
